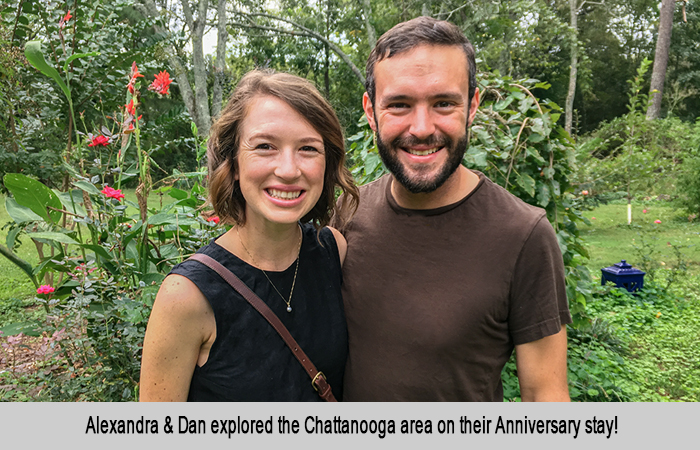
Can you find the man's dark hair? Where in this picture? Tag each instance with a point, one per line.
(419, 31)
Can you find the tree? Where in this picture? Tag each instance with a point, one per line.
(663, 43)
(196, 100)
(574, 10)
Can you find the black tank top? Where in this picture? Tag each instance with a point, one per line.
(249, 361)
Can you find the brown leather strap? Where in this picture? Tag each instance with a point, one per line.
(318, 379)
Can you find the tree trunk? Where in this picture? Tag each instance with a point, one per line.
(220, 64)
(201, 98)
(371, 33)
(663, 43)
(573, 69)
(177, 68)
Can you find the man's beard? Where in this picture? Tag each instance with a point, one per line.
(455, 153)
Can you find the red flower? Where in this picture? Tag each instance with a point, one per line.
(130, 108)
(45, 289)
(584, 192)
(99, 140)
(161, 84)
(214, 219)
(657, 221)
(64, 20)
(135, 72)
(112, 193)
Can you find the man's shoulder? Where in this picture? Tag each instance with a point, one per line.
(376, 187)
(500, 201)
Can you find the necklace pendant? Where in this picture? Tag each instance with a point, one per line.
(289, 309)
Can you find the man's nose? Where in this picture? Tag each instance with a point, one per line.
(287, 165)
(422, 125)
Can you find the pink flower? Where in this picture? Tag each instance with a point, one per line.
(99, 140)
(45, 289)
(214, 219)
(112, 193)
(657, 221)
(592, 218)
(584, 192)
(161, 83)
(644, 211)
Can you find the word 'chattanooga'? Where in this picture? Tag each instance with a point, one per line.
(338, 425)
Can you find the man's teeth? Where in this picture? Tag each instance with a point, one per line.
(422, 152)
(286, 195)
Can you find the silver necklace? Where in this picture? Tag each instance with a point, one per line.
(296, 269)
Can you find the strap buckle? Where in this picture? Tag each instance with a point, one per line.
(316, 379)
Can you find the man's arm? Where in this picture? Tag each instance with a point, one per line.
(542, 369)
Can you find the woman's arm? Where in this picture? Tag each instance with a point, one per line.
(180, 332)
(341, 243)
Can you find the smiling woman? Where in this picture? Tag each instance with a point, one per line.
(276, 156)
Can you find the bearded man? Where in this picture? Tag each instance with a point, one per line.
(446, 272)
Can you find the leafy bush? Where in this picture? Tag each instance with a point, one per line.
(688, 188)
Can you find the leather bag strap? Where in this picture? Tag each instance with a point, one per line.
(318, 379)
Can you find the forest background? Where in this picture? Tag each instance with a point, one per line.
(79, 130)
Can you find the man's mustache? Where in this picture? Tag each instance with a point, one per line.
(431, 141)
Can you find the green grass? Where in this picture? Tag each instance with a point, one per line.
(609, 239)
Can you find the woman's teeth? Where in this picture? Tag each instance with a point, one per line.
(285, 195)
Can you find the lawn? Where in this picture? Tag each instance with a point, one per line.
(609, 239)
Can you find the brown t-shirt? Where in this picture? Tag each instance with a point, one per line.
(436, 299)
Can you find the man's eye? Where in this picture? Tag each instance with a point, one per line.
(397, 105)
(443, 104)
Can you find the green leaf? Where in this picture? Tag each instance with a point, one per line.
(20, 214)
(32, 50)
(12, 237)
(53, 236)
(478, 157)
(65, 198)
(149, 278)
(99, 251)
(87, 187)
(535, 154)
(502, 104)
(543, 196)
(34, 195)
(178, 194)
(526, 182)
(26, 328)
(535, 137)
(76, 56)
(593, 392)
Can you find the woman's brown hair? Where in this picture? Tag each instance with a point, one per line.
(222, 150)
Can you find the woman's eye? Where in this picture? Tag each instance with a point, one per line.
(309, 148)
(263, 146)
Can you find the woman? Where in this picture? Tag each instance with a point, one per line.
(276, 156)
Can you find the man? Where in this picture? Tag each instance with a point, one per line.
(446, 272)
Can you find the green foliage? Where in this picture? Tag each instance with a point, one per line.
(689, 186)
(633, 155)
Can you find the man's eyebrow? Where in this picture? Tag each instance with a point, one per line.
(453, 96)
